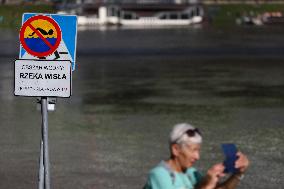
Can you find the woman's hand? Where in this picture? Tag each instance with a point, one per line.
(214, 174)
(242, 163)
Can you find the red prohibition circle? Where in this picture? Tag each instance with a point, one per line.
(28, 24)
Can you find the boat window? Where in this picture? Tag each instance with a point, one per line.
(192, 13)
(184, 16)
(163, 16)
(129, 16)
(173, 16)
(197, 11)
(111, 11)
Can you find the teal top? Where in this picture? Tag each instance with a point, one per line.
(163, 177)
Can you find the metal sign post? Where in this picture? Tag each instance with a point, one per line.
(41, 167)
(44, 149)
(44, 69)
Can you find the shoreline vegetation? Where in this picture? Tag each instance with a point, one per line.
(221, 14)
(225, 15)
(11, 15)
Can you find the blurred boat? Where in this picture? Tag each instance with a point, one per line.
(249, 20)
(267, 18)
(273, 18)
(141, 15)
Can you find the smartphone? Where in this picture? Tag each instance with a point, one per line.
(230, 151)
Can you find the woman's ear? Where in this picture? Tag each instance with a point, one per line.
(175, 149)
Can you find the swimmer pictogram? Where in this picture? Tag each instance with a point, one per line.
(40, 36)
(43, 32)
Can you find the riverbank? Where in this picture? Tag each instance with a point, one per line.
(11, 15)
(225, 15)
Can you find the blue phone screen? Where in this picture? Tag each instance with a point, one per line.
(230, 151)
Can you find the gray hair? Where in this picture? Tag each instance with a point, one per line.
(178, 135)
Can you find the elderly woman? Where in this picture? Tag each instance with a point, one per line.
(178, 171)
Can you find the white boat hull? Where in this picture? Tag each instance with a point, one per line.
(116, 16)
(151, 21)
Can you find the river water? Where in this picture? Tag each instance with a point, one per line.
(130, 87)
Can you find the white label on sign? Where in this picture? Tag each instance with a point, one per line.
(43, 78)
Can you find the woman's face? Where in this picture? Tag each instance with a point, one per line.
(188, 154)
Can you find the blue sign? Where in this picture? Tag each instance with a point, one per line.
(67, 47)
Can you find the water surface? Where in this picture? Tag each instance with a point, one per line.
(130, 87)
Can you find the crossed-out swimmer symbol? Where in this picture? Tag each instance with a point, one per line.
(50, 32)
(43, 32)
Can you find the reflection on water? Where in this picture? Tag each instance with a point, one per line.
(131, 86)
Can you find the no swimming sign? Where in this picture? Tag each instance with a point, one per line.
(47, 55)
(48, 37)
(40, 36)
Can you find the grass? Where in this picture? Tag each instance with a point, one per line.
(11, 16)
(225, 15)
